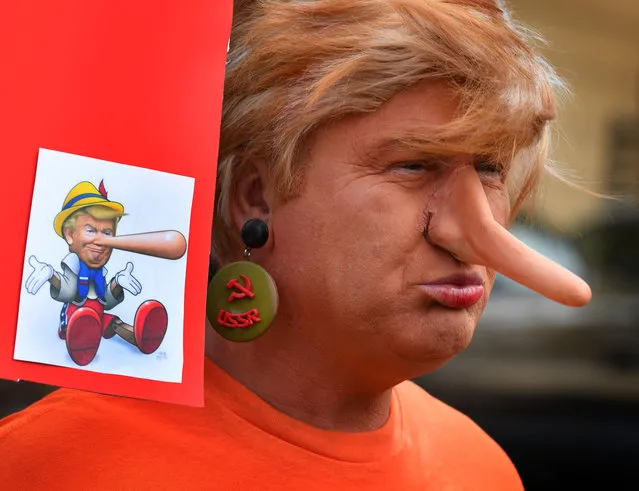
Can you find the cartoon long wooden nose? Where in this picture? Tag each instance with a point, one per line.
(462, 222)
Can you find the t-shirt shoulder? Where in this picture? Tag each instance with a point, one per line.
(454, 434)
(418, 404)
(70, 413)
(53, 411)
(48, 427)
(54, 439)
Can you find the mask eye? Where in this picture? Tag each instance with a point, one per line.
(490, 168)
(411, 166)
(418, 165)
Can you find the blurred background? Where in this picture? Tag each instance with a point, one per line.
(558, 388)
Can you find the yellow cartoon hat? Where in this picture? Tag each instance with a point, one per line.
(83, 195)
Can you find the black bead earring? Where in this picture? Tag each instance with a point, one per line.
(242, 298)
(254, 235)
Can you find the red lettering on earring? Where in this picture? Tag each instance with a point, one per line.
(238, 321)
(243, 291)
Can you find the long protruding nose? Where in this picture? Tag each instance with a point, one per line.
(461, 222)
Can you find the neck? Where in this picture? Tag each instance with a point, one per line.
(301, 381)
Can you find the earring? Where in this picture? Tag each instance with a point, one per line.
(242, 298)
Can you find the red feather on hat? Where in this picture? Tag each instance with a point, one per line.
(102, 189)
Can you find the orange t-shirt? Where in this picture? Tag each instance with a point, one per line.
(74, 440)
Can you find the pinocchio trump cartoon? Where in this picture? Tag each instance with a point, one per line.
(88, 222)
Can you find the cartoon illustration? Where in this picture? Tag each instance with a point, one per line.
(88, 222)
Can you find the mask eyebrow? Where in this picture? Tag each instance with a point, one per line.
(413, 147)
(387, 149)
(398, 143)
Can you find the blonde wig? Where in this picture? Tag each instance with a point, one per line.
(295, 65)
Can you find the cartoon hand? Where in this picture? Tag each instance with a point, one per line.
(42, 272)
(127, 281)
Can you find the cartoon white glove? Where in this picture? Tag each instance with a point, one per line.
(127, 281)
(42, 272)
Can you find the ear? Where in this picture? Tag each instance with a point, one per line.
(68, 236)
(251, 197)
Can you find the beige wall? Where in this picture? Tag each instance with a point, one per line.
(594, 44)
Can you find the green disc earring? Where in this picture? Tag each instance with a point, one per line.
(242, 297)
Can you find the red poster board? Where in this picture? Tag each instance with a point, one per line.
(138, 83)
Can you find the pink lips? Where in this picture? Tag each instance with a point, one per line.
(457, 292)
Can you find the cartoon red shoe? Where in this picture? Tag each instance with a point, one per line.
(150, 325)
(83, 335)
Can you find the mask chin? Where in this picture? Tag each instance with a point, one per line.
(462, 223)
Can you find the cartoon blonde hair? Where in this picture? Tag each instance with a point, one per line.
(295, 65)
(96, 211)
